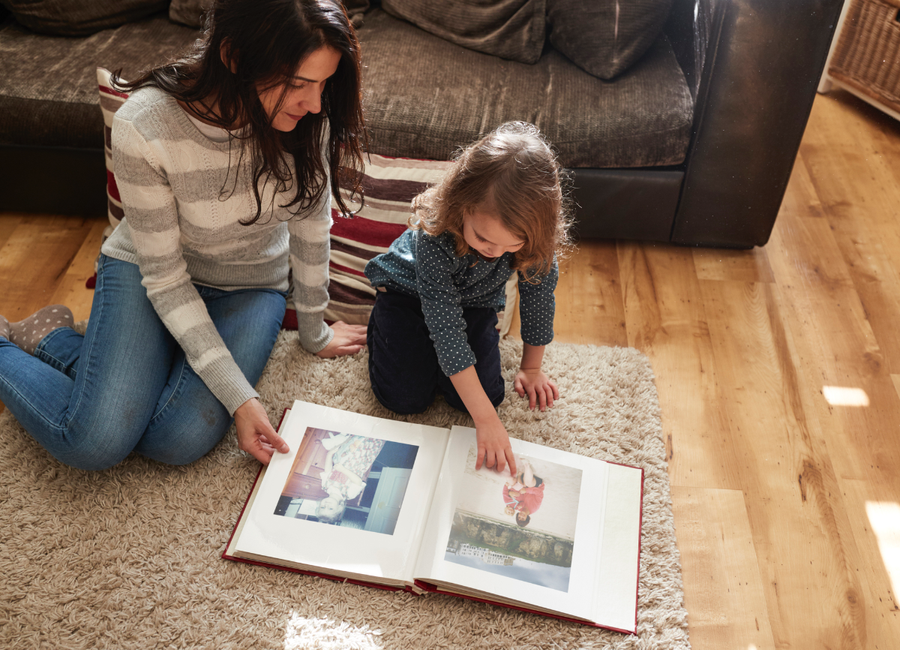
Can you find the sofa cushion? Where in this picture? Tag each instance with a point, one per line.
(510, 29)
(425, 97)
(48, 84)
(77, 17)
(605, 37)
(189, 12)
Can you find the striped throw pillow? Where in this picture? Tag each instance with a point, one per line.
(389, 184)
(110, 101)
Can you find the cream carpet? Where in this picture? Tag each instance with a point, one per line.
(130, 557)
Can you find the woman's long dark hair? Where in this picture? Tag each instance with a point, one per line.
(265, 41)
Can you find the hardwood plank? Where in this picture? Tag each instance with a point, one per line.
(744, 266)
(72, 290)
(723, 590)
(666, 320)
(589, 296)
(861, 212)
(833, 292)
(874, 514)
(8, 223)
(799, 526)
(838, 348)
(38, 253)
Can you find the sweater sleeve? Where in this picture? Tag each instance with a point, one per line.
(537, 307)
(310, 250)
(152, 216)
(442, 304)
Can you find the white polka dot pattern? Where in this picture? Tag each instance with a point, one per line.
(418, 264)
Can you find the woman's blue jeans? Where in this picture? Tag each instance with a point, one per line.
(125, 385)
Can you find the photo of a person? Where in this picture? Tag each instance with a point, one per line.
(347, 464)
(503, 535)
(347, 480)
(523, 495)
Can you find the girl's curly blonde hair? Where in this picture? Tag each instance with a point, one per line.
(511, 173)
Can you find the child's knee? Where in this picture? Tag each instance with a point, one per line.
(400, 401)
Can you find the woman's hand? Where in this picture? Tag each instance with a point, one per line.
(348, 339)
(255, 433)
(541, 390)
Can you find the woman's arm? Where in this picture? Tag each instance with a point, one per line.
(152, 219)
(310, 249)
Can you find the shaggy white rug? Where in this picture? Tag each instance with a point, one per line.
(130, 557)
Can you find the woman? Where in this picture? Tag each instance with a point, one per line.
(226, 161)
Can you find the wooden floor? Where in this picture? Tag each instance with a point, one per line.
(778, 372)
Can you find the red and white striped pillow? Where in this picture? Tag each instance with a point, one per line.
(389, 184)
(110, 101)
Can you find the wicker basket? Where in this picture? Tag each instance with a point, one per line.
(867, 56)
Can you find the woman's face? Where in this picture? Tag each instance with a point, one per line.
(287, 102)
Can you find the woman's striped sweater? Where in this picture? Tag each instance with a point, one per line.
(184, 197)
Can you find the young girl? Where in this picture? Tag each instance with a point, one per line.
(226, 162)
(433, 327)
(345, 472)
(523, 494)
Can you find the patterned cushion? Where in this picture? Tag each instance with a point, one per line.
(389, 184)
(77, 17)
(110, 101)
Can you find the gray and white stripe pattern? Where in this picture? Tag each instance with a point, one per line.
(181, 229)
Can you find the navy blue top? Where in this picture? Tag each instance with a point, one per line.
(427, 267)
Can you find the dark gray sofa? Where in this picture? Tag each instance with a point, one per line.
(693, 144)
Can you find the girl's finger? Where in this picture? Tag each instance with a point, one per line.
(518, 387)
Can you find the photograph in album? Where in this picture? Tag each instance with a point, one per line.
(522, 527)
(336, 477)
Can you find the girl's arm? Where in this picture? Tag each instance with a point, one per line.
(537, 307)
(531, 380)
(493, 440)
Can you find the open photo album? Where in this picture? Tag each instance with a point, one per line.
(398, 505)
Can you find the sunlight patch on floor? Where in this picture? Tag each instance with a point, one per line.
(841, 396)
(885, 520)
(303, 633)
